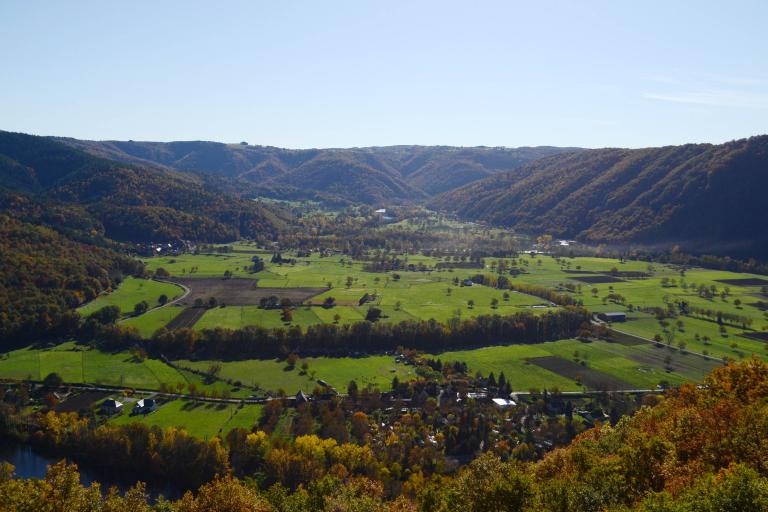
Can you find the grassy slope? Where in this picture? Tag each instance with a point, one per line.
(377, 371)
(199, 419)
(130, 292)
(76, 365)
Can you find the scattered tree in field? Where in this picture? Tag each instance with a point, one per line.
(336, 318)
(329, 302)
(162, 273)
(214, 369)
(494, 303)
(162, 299)
(140, 308)
(373, 314)
(470, 303)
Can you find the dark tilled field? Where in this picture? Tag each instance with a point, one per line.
(750, 281)
(628, 274)
(81, 401)
(458, 264)
(186, 318)
(682, 363)
(626, 339)
(760, 336)
(240, 292)
(593, 379)
(597, 279)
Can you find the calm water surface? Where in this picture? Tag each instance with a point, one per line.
(31, 464)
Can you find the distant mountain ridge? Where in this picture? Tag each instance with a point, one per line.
(363, 175)
(709, 198)
(135, 202)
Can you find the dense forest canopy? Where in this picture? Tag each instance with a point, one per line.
(137, 203)
(370, 175)
(44, 276)
(707, 198)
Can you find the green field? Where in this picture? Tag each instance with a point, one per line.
(130, 292)
(152, 320)
(433, 293)
(207, 265)
(377, 371)
(198, 418)
(79, 364)
(641, 366)
(425, 295)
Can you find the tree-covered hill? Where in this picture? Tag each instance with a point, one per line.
(45, 275)
(131, 202)
(364, 175)
(701, 196)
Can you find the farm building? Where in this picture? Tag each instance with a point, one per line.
(145, 406)
(613, 317)
(111, 406)
(301, 398)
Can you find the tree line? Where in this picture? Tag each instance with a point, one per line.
(364, 336)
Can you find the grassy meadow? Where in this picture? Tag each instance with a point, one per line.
(200, 419)
(78, 364)
(433, 293)
(130, 292)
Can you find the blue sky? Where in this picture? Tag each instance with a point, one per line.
(359, 73)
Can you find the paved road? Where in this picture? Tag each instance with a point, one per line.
(154, 392)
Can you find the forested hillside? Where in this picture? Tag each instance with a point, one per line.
(44, 276)
(369, 175)
(138, 203)
(701, 196)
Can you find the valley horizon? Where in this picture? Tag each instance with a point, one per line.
(321, 324)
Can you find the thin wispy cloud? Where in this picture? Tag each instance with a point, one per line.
(714, 98)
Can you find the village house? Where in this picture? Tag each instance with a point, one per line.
(145, 406)
(111, 406)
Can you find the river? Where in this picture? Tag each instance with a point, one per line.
(31, 464)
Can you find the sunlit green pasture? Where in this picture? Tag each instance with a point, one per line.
(130, 292)
(78, 364)
(201, 419)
